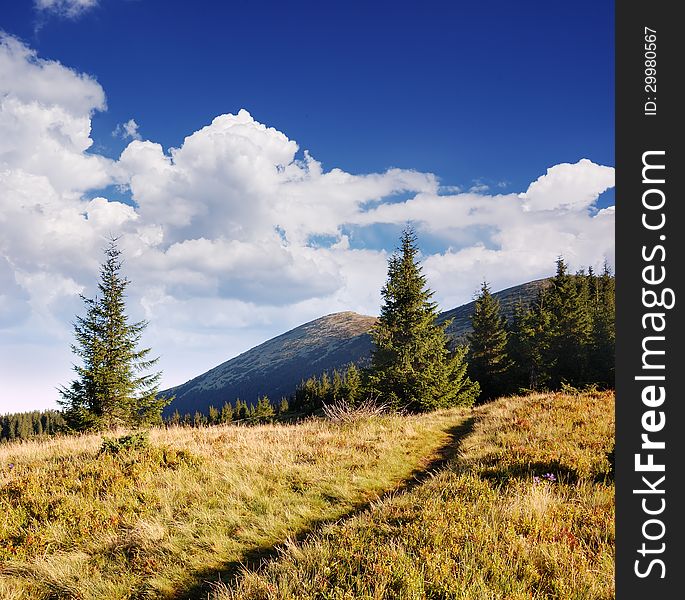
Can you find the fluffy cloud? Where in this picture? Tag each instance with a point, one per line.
(127, 131)
(569, 187)
(65, 8)
(33, 80)
(510, 238)
(236, 235)
(45, 112)
(240, 179)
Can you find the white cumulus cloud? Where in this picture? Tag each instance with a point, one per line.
(569, 186)
(238, 234)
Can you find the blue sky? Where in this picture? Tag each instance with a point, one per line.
(488, 91)
(489, 125)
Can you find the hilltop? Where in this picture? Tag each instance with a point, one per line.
(277, 366)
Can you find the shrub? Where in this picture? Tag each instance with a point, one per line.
(132, 441)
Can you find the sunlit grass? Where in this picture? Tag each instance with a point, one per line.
(526, 510)
(77, 523)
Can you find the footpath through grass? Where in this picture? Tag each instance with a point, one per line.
(158, 521)
(526, 510)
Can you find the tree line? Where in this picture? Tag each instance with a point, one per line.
(263, 411)
(22, 426)
(564, 337)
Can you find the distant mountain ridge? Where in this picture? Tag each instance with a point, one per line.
(275, 367)
(461, 315)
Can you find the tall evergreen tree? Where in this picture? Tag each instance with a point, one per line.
(336, 386)
(412, 366)
(488, 359)
(570, 328)
(528, 344)
(112, 387)
(352, 386)
(603, 336)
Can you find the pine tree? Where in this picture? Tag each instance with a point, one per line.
(412, 367)
(175, 418)
(226, 415)
(528, 345)
(264, 411)
(111, 388)
(488, 359)
(240, 411)
(336, 386)
(603, 335)
(325, 390)
(352, 385)
(570, 328)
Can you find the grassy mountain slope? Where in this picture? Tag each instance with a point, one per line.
(465, 516)
(155, 522)
(276, 367)
(461, 316)
(524, 509)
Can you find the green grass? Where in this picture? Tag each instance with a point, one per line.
(156, 520)
(487, 526)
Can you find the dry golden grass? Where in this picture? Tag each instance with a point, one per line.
(525, 510)
(153, 523)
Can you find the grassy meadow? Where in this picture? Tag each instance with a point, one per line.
(155, 522)
(524, 509)
(509, 500)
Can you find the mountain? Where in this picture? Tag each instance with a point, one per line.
(276, 367)
(461, 316)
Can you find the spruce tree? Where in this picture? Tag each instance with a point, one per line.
(570, 328)
(175, 418)
(199, 419)
(336, 386)
(488, 359)
(325, 391)
(352, 385)
(412, 367)
(226, 415)
(264, 410)
(240, 410)
(528, 344)
(112, 388)
(603, 336)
